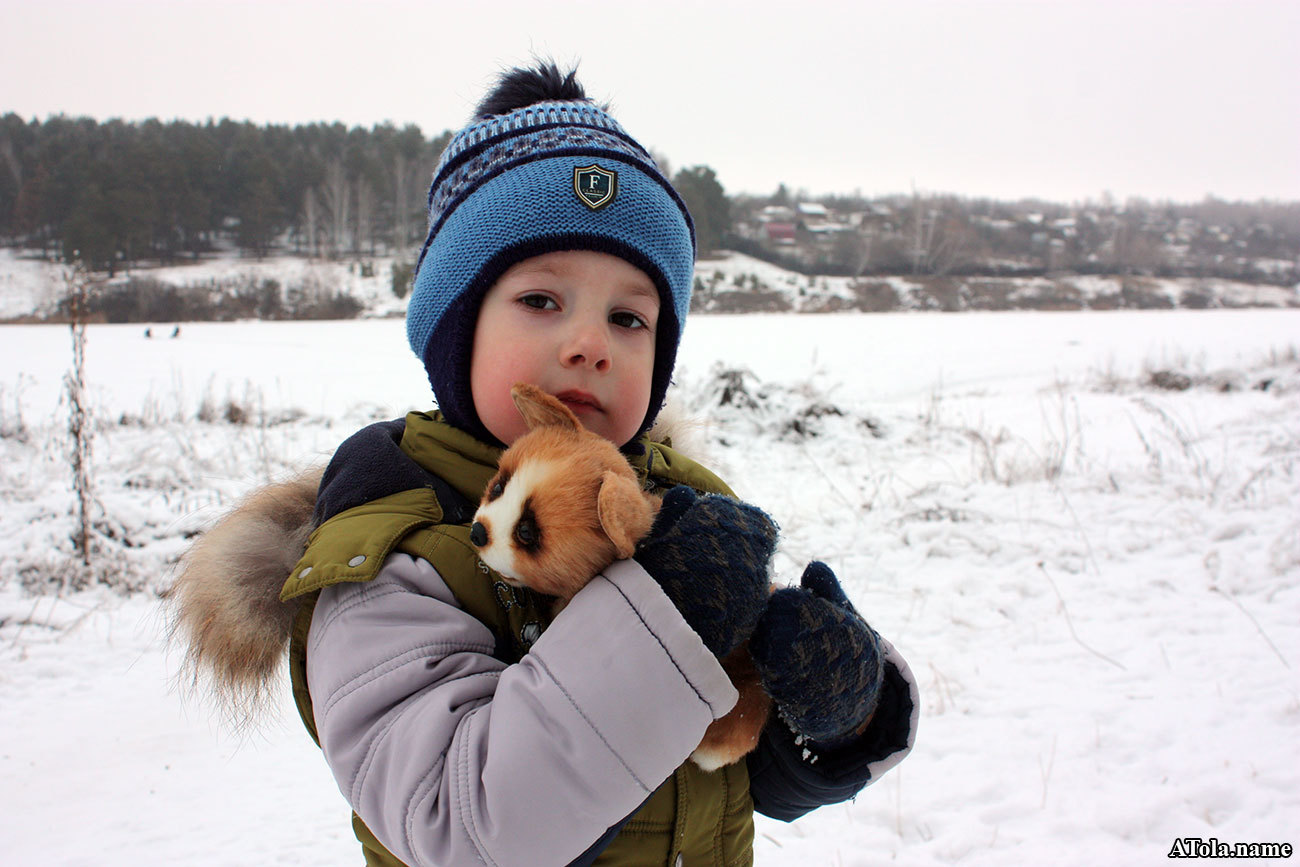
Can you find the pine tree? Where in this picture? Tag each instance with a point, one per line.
(708, 204)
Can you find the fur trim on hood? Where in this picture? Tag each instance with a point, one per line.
(225, 603)
(225, 606)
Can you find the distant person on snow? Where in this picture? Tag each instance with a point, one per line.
(464, 722)
(176, 332)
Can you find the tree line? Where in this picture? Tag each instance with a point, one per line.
(115, 192)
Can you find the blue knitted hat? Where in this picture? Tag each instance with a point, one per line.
(539, 170)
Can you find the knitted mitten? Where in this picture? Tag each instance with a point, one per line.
(819, 660)
(710, 554)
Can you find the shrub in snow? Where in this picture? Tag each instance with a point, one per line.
(1170, 380)
(12, 424)
(739, 400)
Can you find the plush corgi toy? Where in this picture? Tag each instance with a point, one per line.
(563, 505)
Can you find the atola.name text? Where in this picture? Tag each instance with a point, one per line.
(1195, 847)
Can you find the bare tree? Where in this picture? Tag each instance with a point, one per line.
(401, 199)
(365, 215)
(949, 243)
(852, 250)
(665, 167)
(336, 195)
(10, 159)
(407, 187)
(310, 217)
(1131, 249)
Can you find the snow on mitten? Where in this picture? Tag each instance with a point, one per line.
(710, 554)
(819, 660)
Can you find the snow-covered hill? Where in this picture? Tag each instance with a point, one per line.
(735, 283)
(33, 286)
(727, 283)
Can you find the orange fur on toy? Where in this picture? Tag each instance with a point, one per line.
(563, 505)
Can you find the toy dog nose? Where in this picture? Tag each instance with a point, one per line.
(478, 534)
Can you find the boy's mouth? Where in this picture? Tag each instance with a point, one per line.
(576, 400)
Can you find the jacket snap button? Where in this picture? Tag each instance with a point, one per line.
(357, 560)
(303, 573)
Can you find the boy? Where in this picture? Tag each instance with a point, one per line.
(461, 723)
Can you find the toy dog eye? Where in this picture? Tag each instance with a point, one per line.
(496, 490)
(527, 534)
(498, 486)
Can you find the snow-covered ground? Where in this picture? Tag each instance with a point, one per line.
(729, 271)
(32, 286)
(1094, 579)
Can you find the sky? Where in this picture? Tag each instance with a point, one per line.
(1065, 101)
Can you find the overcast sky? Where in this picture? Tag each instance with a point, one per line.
(1056, 100)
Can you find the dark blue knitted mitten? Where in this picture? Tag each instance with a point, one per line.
(819, 660)
(710, 554)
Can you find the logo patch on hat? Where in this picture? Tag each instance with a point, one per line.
(596, 187)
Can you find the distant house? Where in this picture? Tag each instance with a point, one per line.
(1066, 227)
(782, 234)
(776, 214)
(813, 211)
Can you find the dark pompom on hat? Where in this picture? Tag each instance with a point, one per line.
(520, 88)
(541, 169)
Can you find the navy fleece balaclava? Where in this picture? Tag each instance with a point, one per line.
(539, 170)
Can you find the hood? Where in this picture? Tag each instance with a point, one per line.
(224, 605)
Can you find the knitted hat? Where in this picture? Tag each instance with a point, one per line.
(539, 170)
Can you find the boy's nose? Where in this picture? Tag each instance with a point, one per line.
(586, 346)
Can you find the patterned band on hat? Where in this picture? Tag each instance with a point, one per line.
(552, 113)
(533, 118)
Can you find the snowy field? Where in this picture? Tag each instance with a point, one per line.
(1093, 578)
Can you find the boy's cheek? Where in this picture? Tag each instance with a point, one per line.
(499, 416)
(490, 382)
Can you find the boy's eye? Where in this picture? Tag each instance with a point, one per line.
(539, 302)
(626, 319)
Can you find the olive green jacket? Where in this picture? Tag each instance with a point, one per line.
(400, 620)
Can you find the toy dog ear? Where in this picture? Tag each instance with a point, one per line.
(625, 514)
(540, 409)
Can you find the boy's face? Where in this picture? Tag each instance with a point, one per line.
(578, 324)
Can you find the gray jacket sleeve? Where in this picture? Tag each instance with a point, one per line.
(451, 757)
